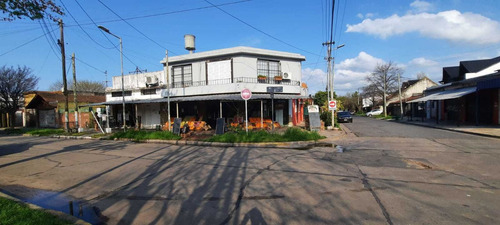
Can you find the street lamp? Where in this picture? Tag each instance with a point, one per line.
(121, 60)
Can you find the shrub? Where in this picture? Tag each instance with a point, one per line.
(291, 134)
(143, 135)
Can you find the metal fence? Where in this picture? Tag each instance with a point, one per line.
(184, 84)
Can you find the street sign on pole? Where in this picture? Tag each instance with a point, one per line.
(275, 89)
(332, 105)
(272, 90)
(245, 95)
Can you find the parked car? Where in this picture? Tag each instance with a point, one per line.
(374, 112)
(344, 117)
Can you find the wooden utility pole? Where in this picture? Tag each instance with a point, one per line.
(65, 84)
(74, 90)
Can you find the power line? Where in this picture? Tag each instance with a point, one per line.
(257, 29)
(87, 64)
(336, 21)
(106, 36)
(331, 23)
(116, 14)
(342, 21)
(166, 13)
(88, 35)
(32, 40)
(45, 32)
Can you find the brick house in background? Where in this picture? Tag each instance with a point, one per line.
(46, 108)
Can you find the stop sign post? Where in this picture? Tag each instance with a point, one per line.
(245, 95)
(332, 105)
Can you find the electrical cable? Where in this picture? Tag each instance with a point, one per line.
(140, 32)
(32, 40)
(88, 35)
(257, 29)
(49, 41)
(87, 64)
(331, 24)
(165, 13)
(102, 32)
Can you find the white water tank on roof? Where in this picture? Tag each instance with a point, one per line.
(189, 42)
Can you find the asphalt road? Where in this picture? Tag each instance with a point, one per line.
(369, 127)
(388, 174)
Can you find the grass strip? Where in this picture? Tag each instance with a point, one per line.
(291, 134)
(145, 135)
(14, 213)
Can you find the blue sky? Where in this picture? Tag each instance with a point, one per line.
(420, 36)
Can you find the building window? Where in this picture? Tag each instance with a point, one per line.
(182, 76)
(148, 92)
(119, 93)
(268, 68)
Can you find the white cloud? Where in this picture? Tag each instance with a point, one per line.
(368, 15)
(448, 25)
(421, 6)
(350, 74)
(431, 68)
(362, 62)
(421, 61)
(315, 79)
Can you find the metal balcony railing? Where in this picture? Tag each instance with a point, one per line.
(184, 84)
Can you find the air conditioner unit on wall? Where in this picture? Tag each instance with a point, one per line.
(287, 75)
(151, 81)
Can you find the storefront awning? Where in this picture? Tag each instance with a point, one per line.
(448, 94)
(224, 97)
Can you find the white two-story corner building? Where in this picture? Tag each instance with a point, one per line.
(207, 85)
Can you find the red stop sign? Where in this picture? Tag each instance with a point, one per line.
(333, 104)
(246, 94)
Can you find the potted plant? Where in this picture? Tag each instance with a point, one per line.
(278, 79)
(261, 78)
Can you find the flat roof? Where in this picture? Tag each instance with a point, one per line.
(241, 50)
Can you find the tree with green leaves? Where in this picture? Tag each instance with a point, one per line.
(32, 9)
(13, 83)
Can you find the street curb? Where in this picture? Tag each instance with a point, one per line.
(299, 145)
(59, 214)
(448, 129)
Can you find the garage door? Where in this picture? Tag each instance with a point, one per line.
(47, 118)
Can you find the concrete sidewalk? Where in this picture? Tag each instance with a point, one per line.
(483, 130)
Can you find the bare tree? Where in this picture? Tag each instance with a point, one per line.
(372, 92)
(13, 83)
(385, 79)
(32, 9)
(82, 86)
(421, 75)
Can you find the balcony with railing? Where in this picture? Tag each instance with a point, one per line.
(272, 81)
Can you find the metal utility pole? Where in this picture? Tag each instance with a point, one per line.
(400, 100)
(168, 88)
(65, 84)
(74, 90)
